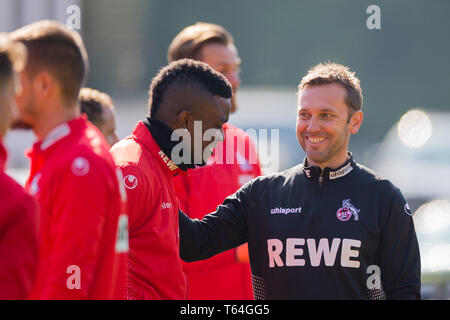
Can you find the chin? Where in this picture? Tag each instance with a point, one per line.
(316, 157)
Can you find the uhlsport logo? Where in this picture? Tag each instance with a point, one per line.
(407, 209)
(285, 210)
(80, 166)
(347, 211)
(130, 182)
(166, 205)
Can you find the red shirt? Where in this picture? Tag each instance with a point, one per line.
(200, 192)
(18, 237)
(155, 270)
(83, 240)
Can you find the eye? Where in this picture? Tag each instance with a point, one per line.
(327, 115)
(303, 115)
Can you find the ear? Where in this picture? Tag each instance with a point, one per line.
(185, 120)
(356, 122)
(43, 84)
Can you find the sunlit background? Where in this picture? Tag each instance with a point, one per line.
(404, 70)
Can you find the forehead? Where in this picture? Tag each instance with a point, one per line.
(202, 104)
(329, 96)
(213, 108)
(216, 54)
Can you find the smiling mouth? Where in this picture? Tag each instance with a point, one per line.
(316, 140)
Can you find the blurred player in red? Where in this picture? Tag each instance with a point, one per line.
(83, 234)
(99, 108)
(183, 96)
(18, 214)
(227, 275)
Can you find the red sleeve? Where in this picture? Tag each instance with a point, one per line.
(80, 206)
(18, 245)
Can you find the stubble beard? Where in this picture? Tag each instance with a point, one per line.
(326, 156)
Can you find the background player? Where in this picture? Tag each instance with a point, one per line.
(83, 239)
(227, 275)
(99, 108)
(18, 214)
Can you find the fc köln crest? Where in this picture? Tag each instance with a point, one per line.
(347, 211)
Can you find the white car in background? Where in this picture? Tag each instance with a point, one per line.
(415, 155)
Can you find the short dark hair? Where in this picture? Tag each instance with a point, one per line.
(92, 103)
(187, 73)
(190, 40)
(327, 73)
(58, 49)
(12, 58)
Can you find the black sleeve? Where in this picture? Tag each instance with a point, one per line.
(219, 231)
(399, 250)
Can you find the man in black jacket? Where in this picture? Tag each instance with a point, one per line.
(325, 229)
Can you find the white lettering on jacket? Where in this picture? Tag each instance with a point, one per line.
(295, 247)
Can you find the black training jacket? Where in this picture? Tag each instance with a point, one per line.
(337, 234)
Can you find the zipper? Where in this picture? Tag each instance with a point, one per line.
(319, 195)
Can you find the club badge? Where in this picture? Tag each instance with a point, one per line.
(347, 211)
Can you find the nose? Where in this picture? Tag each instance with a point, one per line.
(313, 125)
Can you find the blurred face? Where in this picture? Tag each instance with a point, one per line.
(108, 126)
(7, 93)
(26, 103)
(224, 59)
(323, 129)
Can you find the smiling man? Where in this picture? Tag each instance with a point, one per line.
(328, 228)
(182, 95)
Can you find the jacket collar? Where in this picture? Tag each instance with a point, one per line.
(59, 133)
(314, 172)
(41, 150)
(144, 135)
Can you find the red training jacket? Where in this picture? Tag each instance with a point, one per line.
(220, 277)
(155, 270)
(18, 237)
(83, 234)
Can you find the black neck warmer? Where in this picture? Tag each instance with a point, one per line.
(162, 134)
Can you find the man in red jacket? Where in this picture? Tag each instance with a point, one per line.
(227, 275)
(183, 95)
(83, 234)
(18, 215)
(99, 108)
